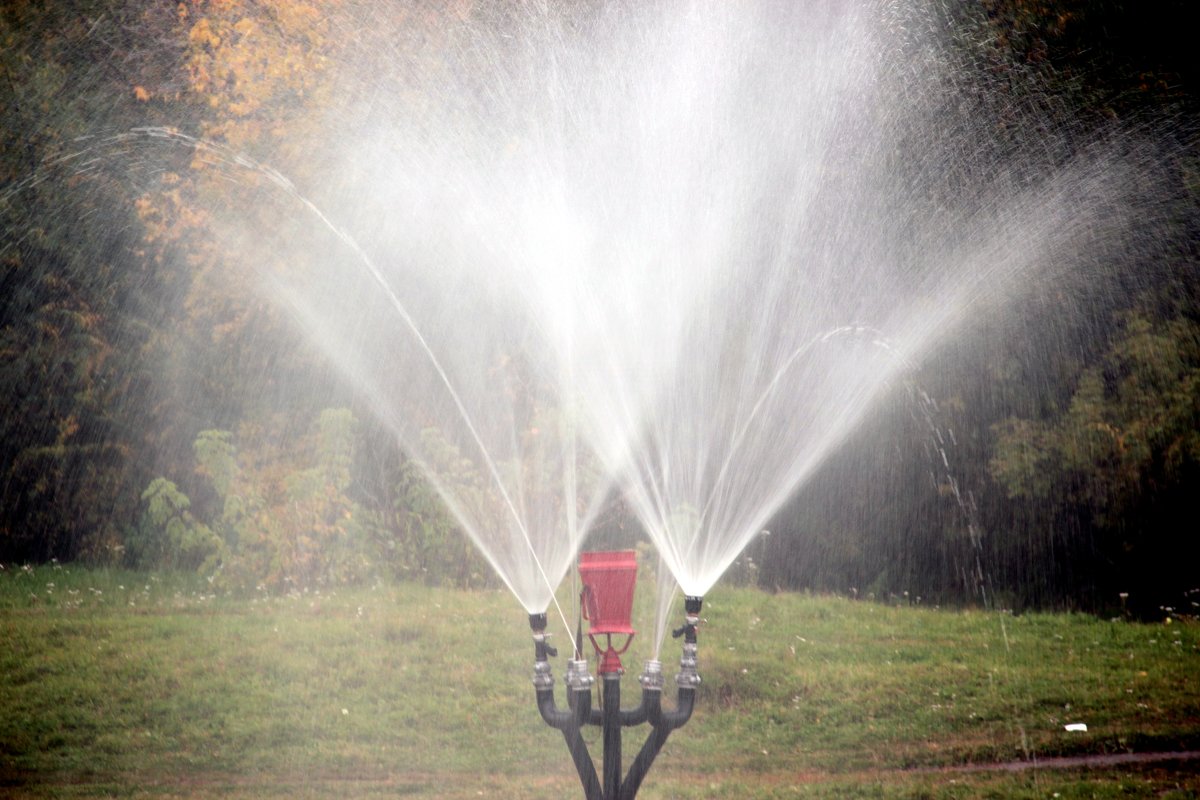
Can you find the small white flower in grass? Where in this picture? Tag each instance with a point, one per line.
(345, 711)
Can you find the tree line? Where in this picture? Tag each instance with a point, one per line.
(158, 414)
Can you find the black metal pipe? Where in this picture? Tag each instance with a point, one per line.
(569, 721)
(641, 764)
(635, 716)
(685, 702)
(581, 704)
(612, 735)
(663, 722)
(583, 765)
(560, 720)
(629, 716)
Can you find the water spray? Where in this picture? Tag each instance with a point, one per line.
(608, 580)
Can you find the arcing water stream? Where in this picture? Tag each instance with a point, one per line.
(633, 226)
(563, 249)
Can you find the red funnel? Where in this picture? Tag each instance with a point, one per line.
(608, 579)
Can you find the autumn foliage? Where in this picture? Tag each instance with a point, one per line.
(159, 411)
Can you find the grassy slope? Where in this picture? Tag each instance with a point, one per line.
(117, 684)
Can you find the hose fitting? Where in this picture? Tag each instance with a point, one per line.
(652, 676)
(688, 677)
(579, 677)
(542, 677)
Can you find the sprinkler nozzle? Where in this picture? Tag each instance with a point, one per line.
(537, 624)
(691, 608)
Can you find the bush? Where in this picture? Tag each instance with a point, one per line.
(168, 536)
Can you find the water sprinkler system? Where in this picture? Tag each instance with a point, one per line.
(607, 602)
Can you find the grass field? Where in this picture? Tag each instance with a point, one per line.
(117, 684)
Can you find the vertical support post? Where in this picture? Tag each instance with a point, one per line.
(612, 735)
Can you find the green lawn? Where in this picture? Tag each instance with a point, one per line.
(118, 684)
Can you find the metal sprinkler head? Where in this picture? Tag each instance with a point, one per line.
(607, 603)
(691, 608)
(541, 641)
